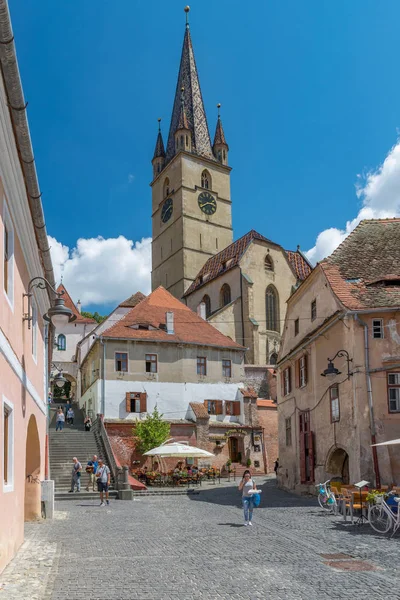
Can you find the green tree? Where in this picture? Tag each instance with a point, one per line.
(95, 316)
(151, 432)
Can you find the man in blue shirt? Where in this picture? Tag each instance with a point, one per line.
(91, 469)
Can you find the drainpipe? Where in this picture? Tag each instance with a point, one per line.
(264, 452)
(370, 400)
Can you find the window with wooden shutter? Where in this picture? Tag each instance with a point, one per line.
(128, 402)
(143, 402)
(236, 408)
(219, 410)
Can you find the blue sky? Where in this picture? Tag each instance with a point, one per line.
(309, 92)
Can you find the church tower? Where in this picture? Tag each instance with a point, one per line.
(191, 201)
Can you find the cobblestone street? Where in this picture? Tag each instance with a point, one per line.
(184, 548)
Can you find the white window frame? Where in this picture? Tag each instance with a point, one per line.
(377, 327)
(151, 362)
(6, 404)
(115, 360)
(334, 403)
(34, 329)
(7, 223)
(302, 371)
(396, 387)
(286, 381)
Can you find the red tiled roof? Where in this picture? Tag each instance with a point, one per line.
(133, 300)
(248, 392)
(199, 410)
(266, 404)
(188, 326)
(299, 264)
(230, 257)
(362, 270)
(69, 304)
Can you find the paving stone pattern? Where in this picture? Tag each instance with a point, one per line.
(195, 547)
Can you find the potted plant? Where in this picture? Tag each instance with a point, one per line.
(248, 462)
(228, 465)
(374, 496)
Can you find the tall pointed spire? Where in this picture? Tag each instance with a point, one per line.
(188, 79)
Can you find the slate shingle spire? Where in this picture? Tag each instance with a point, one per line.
(188, 79)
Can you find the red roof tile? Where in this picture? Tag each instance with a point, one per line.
(199, 410)
(69, 304)
(266, 404)
(248, 392)
(364, 270)
(230, 257)
(188, 326)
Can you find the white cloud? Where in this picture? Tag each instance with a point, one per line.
(379, 191)
(103, 271)
(131, 178)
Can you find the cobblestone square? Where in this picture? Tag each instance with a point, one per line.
(196, 547)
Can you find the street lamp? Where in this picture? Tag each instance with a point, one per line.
(59, 314)
(331, 371)
(59, 380)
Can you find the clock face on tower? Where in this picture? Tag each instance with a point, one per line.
(167, 209)
(207, 203)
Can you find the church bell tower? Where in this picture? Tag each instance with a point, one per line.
(191, 200)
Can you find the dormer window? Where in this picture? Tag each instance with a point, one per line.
(206, 180)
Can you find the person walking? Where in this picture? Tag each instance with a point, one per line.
(70, 416)
(276, 466)
(91, 470)
(103, 481)
(245, 486)
(87, 423)
(60, 420)
(76, 476)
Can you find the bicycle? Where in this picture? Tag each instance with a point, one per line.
(382, 516)
(326, 498)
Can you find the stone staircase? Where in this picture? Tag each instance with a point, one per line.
(63, 446)
(240, 469)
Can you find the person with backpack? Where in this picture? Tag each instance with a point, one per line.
(76, 476)
(246, 486)
(91, 470)
(103, 481)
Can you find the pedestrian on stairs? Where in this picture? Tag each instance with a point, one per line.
(60, 420)
(76, 476)
(70, 416)
(103, 481)
(91, 470)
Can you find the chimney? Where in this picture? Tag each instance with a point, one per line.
(169, 320)
(201, 310)
(79, 306)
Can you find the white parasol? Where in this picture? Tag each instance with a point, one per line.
(389, 443)
(179, 450)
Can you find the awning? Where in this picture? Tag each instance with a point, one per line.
(179, 450)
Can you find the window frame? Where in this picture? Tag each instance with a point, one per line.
(313, 309)
(272, 321)
(225, 293)
(226, 367)
(205, 180)
(207, 301)
(268, 264)
(287, 384)
(381, 329)
(8, 255)
(201, 366)
(8, 406)
(116, 359)
(212, 407)
(393, 386)
(303, 371)
(288, 431)
(62, 347)
(153, 360)
(335, 414)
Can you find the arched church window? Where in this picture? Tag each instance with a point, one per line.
(273, 358)
(182, 145)
(272, 309)
(206, 180)
(61, 342)
(166, 187)
(225, 295)
(268, 263)
(207, 302)
(187, 141)
(224, 154)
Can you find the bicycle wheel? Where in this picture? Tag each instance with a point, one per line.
(323, 501)
(379, 519)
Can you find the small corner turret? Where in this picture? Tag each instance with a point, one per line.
(158, 161)
(183, 136)
(220, 147)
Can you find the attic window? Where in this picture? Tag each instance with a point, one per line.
(355, 280)
(145, 326)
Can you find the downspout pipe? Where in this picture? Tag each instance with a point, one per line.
(370, 400)
(17, 109)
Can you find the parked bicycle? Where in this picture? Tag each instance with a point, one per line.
(383, 516)
(326, 498)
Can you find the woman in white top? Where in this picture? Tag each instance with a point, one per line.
(245, 486)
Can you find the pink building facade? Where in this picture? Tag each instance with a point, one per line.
(24, 254)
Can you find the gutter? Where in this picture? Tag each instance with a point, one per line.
(370, 400)
(17, 109)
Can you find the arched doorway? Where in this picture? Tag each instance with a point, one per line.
(32, 472)
(337, 465)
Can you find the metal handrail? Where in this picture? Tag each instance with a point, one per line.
(101, 431)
